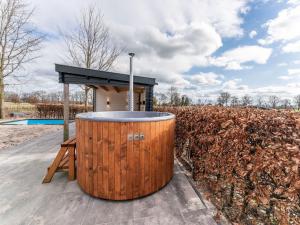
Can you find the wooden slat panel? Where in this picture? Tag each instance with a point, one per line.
(158, 169)
(137, 164)
(71, 163)
(123, 157)
(172, 143)
(100, 158)
(105, 159)
(86, 156)
(152, 156)
(124, 169)
(80, 146)
(95, 158)
(169, 151)
(111, 160)
(130, 164)
(142, 149)
(166, 138)
(162, 153)
(147, 142)
(117, 128)
(90, 157)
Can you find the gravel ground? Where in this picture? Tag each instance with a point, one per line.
(15, 134)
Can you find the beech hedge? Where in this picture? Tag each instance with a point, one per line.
(56, 111)
(249, 159)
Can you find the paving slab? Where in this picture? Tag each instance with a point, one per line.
(24, 200)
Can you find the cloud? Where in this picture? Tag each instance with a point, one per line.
(235, 59)
(206, 79)
(292, 74)
(283, 64)
(285, 27)
(252, 34)
(292, 47)
(293, 2)
(192, 40)
(234, 86)
(167, 43)
(296, 62)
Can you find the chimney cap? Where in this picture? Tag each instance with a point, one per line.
(131, 54)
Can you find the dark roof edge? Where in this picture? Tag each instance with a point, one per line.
(65, 69)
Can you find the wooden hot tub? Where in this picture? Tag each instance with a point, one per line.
(124, 155)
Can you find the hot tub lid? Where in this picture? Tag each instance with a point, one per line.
(126, 116)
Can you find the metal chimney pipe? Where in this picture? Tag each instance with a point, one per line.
(130, 93)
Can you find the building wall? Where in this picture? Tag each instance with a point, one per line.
(117, 101)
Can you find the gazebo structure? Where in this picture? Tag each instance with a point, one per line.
(110, 90)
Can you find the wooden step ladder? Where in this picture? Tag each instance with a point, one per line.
(64, 161)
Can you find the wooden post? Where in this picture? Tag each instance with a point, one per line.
(149, 98)
(94, 99)
(66, 112)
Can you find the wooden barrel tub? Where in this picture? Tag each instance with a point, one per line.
(124, 155)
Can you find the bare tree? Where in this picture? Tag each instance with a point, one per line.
(260, 101)
(286, 103)
(19, 40)
(174, 96)
(273, 101)
(234, 101)
(90, 45)
(185, 100)
(203, 99)
(297, 101)
(223, 98)
(161, 98)
(246, 100)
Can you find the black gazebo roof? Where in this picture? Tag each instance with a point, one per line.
(77, 75)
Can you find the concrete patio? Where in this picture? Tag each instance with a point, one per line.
(24, 200)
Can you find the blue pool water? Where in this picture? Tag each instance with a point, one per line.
(35, 122)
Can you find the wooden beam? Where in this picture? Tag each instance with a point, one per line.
(66, 111)
(92, 86)
(117, 89)
(104, 88)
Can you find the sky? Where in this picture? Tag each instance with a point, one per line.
(202, 47)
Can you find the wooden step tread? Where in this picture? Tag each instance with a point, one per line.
(69, 143)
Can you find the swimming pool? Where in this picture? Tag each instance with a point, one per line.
(35, 122)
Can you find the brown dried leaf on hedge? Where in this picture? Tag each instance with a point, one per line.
(248, 158)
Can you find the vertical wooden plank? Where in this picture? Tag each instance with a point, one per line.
(168, 149)
(123, 156)
(105, 159)
(90, 156)
(100, 158)
(71, 151)
(86, 156)
(136, 159)
(95, 157)
(153, 155)
(130, 165)
(173, 125)
(117, 160)
(158, 155)
(164, 151)
(111, 159)
(142, 150)
(78, 142)
(147, 158)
